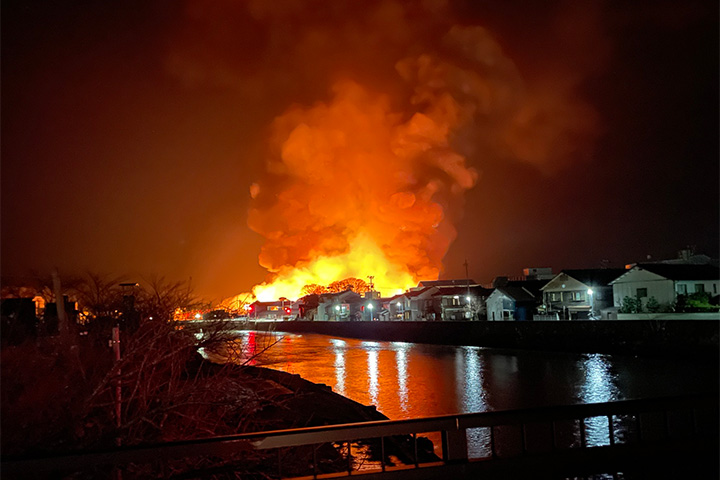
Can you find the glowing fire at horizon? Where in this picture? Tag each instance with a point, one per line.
(356, 189)
(359, 190)
(363, 184)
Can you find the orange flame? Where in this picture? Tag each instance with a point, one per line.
(356, 189)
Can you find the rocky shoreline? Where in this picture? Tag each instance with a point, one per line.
(298, 403)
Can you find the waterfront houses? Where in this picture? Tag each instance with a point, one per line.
(664, 283)
(414, 305)
(536, 295)
(514, 299)
(342, 306)
(580, 294)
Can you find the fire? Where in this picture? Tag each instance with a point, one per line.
(362, 256)
(357, 189)
(369, 180)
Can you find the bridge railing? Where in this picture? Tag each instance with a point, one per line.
(453, 434)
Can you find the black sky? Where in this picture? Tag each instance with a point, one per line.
(114, 162)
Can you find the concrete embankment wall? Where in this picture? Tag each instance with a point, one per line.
(667, 337)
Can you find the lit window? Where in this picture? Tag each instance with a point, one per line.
(699, 288)
(555, 297)
(578, 296)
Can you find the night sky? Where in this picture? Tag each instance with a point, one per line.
(132, 132)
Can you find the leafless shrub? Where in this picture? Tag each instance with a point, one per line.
(56, 398)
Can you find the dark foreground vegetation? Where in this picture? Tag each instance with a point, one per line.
(70, 388)
(59, 398)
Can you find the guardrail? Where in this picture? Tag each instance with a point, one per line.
(694, 442)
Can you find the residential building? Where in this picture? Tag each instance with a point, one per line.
(308, 306)
(538, 273)
(18, 321)
(446, 283)
(414, 305)
(664, 282)
(277, 310)
(514, 299)
(457, 303)
(342, 306)
(580, 294)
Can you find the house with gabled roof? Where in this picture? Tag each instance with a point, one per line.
(664, 282)
(413, 306)
(579, 294)
(456, 303)
(341, 306)
(514, 299)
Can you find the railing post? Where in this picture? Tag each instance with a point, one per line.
(583, 441)
(382, 453)
(493, 452)
(417, 462)
(349, 458)
(611, 434)
(454, 444)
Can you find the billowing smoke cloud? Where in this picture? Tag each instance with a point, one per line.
(395, 106)
(355, 181)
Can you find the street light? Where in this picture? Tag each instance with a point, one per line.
(370, 309)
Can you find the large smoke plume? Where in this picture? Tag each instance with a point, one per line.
(394, 108)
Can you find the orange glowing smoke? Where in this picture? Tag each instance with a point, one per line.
(357, 189)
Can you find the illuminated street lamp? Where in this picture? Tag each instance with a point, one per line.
(370, 309)
(337, 312)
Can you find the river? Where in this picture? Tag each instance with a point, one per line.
(405, 380)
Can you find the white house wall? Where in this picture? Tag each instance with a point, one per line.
(710, 286)
(495, 305)
(657, 286)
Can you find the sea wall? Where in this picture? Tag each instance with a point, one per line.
(656, 337)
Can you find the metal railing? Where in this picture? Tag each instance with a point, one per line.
(453, 433)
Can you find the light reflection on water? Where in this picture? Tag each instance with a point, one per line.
(401, 366)
(599, 386)
(339, 366)
(372, 360)
(405, 380)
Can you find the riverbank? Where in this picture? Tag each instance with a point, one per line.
(60, 401)
(688, 338)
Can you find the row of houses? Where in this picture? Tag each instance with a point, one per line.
(539, 294)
